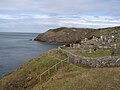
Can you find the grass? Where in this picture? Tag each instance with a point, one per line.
(94, 54)
(69, 77)
(57, 29)
(73, 77)
(98, 53)
(28, 75)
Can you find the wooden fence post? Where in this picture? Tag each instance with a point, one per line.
(68, 58)
(62, 63)
(40, 77)
(56, 67)
(48, 71)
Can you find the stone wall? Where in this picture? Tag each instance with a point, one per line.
(106, 61)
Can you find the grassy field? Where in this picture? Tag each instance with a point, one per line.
(69, 77)
(93, 54)
(73, 77)
(98, 53)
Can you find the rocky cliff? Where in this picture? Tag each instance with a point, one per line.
(68, 35)
(63, 35)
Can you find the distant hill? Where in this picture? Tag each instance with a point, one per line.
(72, 35)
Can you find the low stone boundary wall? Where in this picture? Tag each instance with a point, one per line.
(106, 61)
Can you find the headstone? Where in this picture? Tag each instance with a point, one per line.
(83, 50)
(78, 45)
(73, 45)
(96, 39)
(105, 38)
(93, 37)
(109, 41)
(101, 37)
(70, 45)
(90, 50)
(115, 46)
(85, 39)
(101, 40)
(108, 44)
(113, 36)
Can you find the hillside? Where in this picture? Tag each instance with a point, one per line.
(72, 77)
(63, 35)
(68, 77)
(49, 72)
(73, 35)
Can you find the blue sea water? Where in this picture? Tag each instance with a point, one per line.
(17, 48)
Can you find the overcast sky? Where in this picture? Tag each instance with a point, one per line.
(40, 15)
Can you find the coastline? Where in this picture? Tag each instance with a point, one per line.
(42, 63)
(28, 75)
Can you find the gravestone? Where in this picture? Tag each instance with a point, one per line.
(101, 40)
(93, 37)
(70, 45)
(83, 50)
(115, 46)
(78, 45)
(101, 37)
(97, 40)
(105, 38)
(85, 39)
(90, 50)
(74, 46)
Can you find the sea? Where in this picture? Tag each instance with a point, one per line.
(18, 48)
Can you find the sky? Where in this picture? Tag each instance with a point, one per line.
(40, 15)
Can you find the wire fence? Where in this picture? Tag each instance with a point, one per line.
(52, 69)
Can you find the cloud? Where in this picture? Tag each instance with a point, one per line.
(63, 6)
(41, 23)
(40, 15)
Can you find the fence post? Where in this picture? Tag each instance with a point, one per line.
(40, 77)
(62, 63)
(48, 71)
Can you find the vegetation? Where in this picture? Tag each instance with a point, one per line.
(69, 77)
(28, 75)
(57, 29)
(94, 54)
(74, 35)
(98, 53)
(72, 77)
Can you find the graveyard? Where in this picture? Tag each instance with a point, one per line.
(95, 52)
(96, 47)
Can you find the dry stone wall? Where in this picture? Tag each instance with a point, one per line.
(106, 61)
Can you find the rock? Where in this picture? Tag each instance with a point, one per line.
(28, 79)
(63, 35)
(73, 35)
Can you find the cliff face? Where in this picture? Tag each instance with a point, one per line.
(63, 35)
(68, 35)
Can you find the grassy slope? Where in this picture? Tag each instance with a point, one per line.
(28, 75)
(70, 77)
(104, 31)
